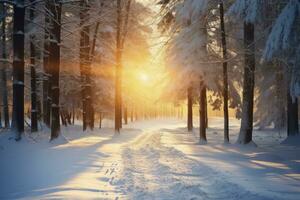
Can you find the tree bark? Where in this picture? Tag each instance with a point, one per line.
(100, 120)
(0, 119)
(225, 74)
(3, 71)
(190, 109)
(18, 67)
(54, 65)
(34, 117)
(73, 114)
(131, 115)
(292, 115)
(125, 115)
(281, 119)
(245, 135)
(46, 74)
(202, 112)
(85, 67)
(118, 116)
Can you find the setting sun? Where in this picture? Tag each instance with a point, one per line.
(143, 77)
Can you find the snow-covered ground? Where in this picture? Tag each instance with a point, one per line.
(155, 159)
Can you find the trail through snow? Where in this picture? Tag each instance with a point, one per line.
(153, 160)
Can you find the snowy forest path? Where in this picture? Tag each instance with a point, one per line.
(154, 169)
(155, 159)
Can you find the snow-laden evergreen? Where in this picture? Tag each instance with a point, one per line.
(247, 10)
(284, 39)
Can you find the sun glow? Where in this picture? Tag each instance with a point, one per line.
(143, 77)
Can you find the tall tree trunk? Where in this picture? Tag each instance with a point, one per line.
(190, 108)
(292, 115)
(100, 120)
(131, 114)
(202, 112)
(85, 67)
(125, 115)
(34, 117)
(18, 67)
(206, 115)
(73, 114)
(1, 120)
(118, 116)
(136, 115)
(280, 102)
(225, 74)
(3, 71)
(54, 65)
(46, 74)
(245, 135)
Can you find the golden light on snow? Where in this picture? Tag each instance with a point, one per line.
(270, 164)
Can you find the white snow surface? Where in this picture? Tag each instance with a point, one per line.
(155, 159)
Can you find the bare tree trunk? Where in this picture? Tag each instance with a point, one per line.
(131, 114)
(202, 112)
(190, 109)
(292, 115)
(118, 116)
(18, 67)
(3, 71)
(34, 117)
(54, 65)
(63, 118)
(85, 67)
(46, 74)
(136, 116)
(1, 120)
(206, 115)
(245, 135)
(100, 120)
(280, 102)
(125, 115)
(73, 114)
(225, 74)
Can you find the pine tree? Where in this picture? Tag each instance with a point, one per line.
(283, 42)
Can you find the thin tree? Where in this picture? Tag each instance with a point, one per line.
(202, 112)
(34, 111)
(118, 116)
(125, 115)
(18, 67)
(225, 74)
(292, 115)
(3, 70)
(245, 135)
(54, 64)
(190, 108)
